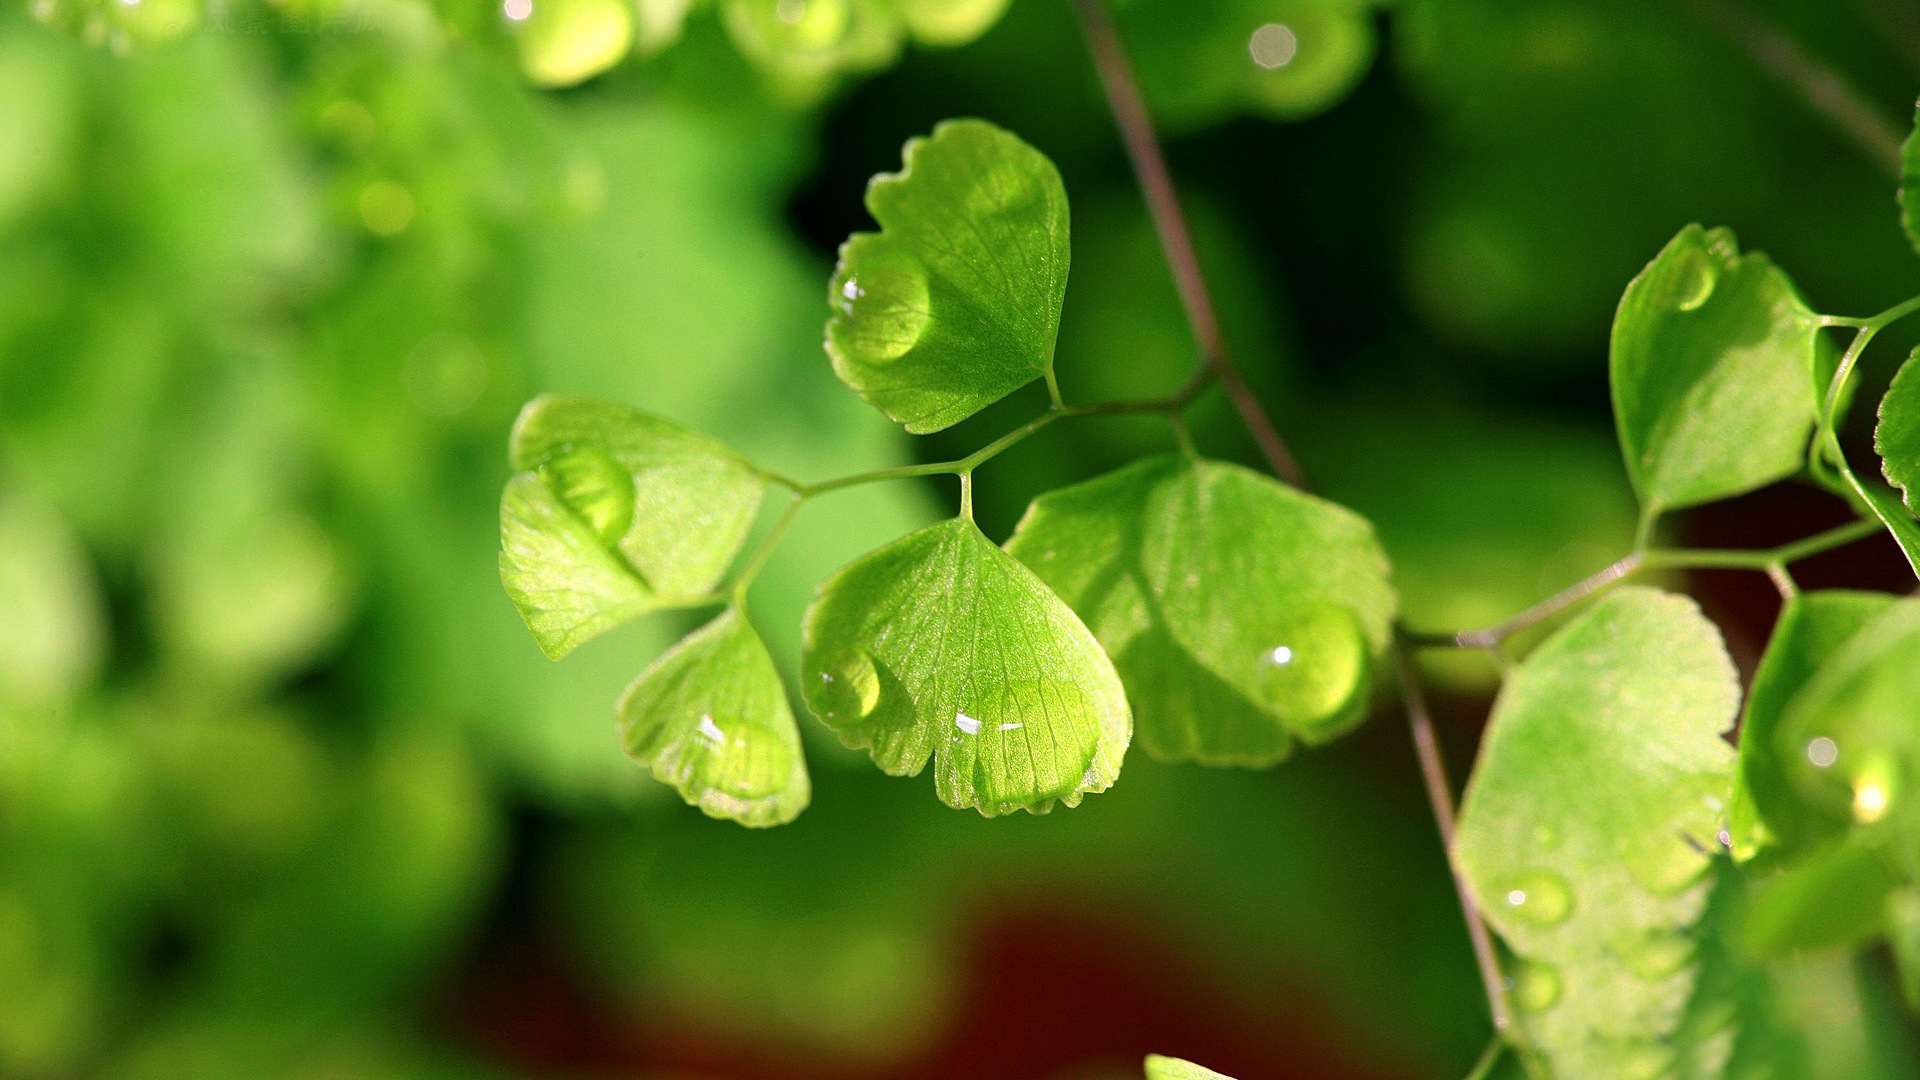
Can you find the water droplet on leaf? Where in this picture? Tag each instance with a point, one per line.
(1535, 987)
(1015, 755)
(1541, 897)
(1694, 276)
(1654, 954)
(1665, 865)
(1316, 667)
(884, 307)
(594, 487)
(851, 688)
(740, 758)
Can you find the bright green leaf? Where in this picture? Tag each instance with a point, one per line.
(942, 644)
(711, 718)
(1847, 738)
(955, 303)
(1834, 898)
(613, 513)
(1217, 673)
(1713, 373)
(1166, 1068)
(1764, 809)
(566, 42)
(950, 22)
(1584, 830)
(1898, 436)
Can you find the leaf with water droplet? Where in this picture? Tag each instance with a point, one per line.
(612, 513)
(1765, 812)
(804, 47)
(1897, 437)
(567, 42)
(955, 302)
(1160, 1067)
(941, 645)
(1609, 735)
(1861, 700)
(711, 718)
(1714, 372)
(1241, 613)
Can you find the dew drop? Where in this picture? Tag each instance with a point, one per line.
(1694, 277)
(850, 688)
(1315, 668)
(1653, 954)
(966, 723)
(1535, 987)
(1541, 897)
(737, 757)
(595, 488)
(1273, 46)
(884, 308)
(1031, 740)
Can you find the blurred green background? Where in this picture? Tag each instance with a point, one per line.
(286, 790)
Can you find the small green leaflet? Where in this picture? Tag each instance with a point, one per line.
(711, 717)
(1765, 811)
(613, 513)
(1585, 827)
(955, 303)
(1848, 738)
(1166, 1068)
(1240, 613)
(942, 644)
(1910, 185)
(1898, 437)
(1713, 370)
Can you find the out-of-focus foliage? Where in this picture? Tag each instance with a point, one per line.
(275, 751)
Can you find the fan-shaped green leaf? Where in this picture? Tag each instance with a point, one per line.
(1848, 738)
(941, 644)
(711, 718)
(1898, 436)
(1765, 811)
(1166, 1068)
(1713, 373)
(955, 303)
(614, 513)
(1240, 613)
(1585, 828)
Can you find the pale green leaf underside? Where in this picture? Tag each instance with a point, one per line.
(1764, 811)
(1600, 786)
(711, 718)
(1898, 436)
(1713, 371)
(613, 513)
(1239, 612)
(955, 303)
(1862, 700)
(942, 645)
(1166, 1068)
(1910, 186)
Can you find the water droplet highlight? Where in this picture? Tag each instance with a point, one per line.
(742, 759)
(1694, 277)
(966, 723)
(1873, 788)
(1823, 752)
(1021, 750)
(1316, 668)
(883, 307)
(1273, 46)
(595, 488)
(1541, 898)
(1535, 987)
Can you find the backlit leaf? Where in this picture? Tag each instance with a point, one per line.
(940, 644)
(1898, 436)
(955, 303)
(1166, 1068)
(1765, 811)
(711, 718)
(613, 513)
(1585, 828)
(1713, 373)
(1847, 739)
(1225, 674)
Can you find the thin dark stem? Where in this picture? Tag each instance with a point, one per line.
(1823, 89)
(1490, 1057)
(1176, 241)
(1433, 773)
(1492, 636)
